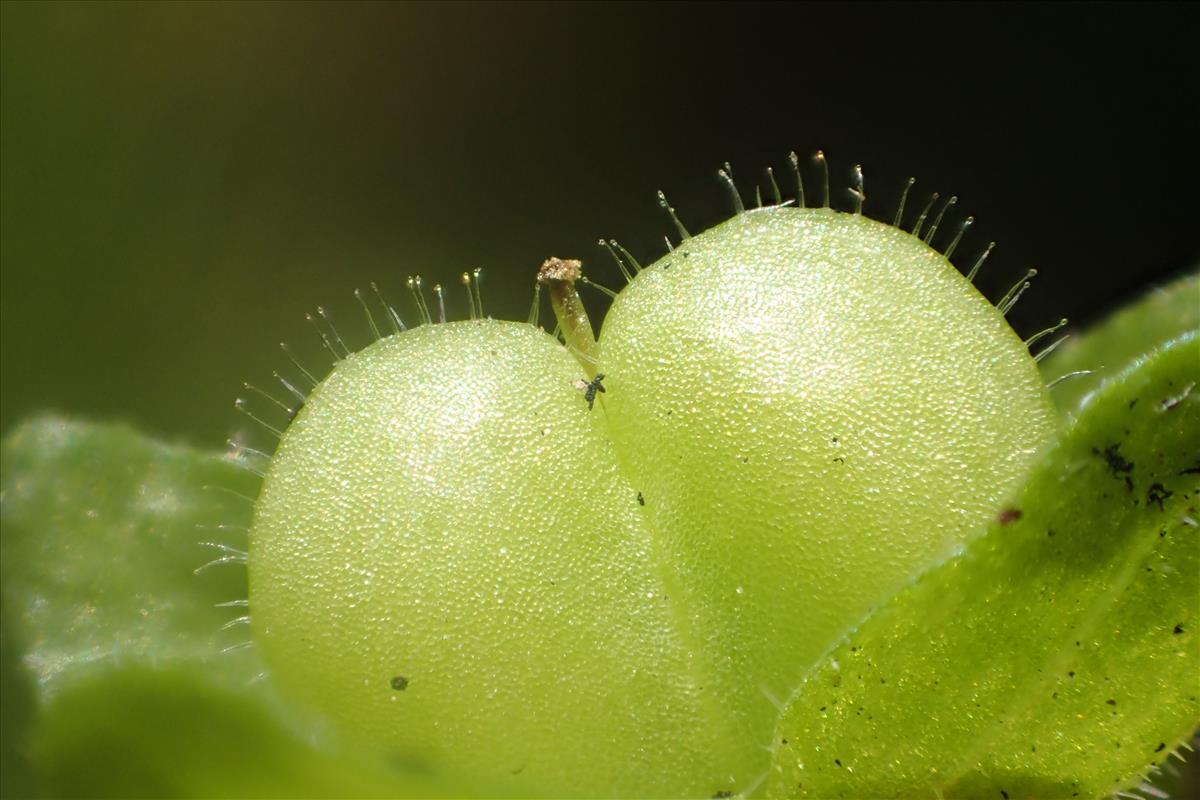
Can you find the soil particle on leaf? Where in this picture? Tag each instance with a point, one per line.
(1009, 515)
(1118, 465)
(1157, 493)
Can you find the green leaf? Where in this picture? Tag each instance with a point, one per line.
(142, 732)
(1110, 346)
(1057, 655)
(16, 712)
(134, 689)
(102, 536)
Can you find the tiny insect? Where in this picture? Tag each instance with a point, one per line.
(590, 388)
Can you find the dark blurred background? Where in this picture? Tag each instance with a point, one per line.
(182, 181)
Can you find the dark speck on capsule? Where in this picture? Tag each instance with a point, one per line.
(399, 683)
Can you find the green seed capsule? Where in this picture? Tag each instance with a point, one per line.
(800, 410)
(446, 508)
(817, 406)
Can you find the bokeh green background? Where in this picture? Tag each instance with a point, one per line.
(180, 182)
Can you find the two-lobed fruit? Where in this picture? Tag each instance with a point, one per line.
(460, 561)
